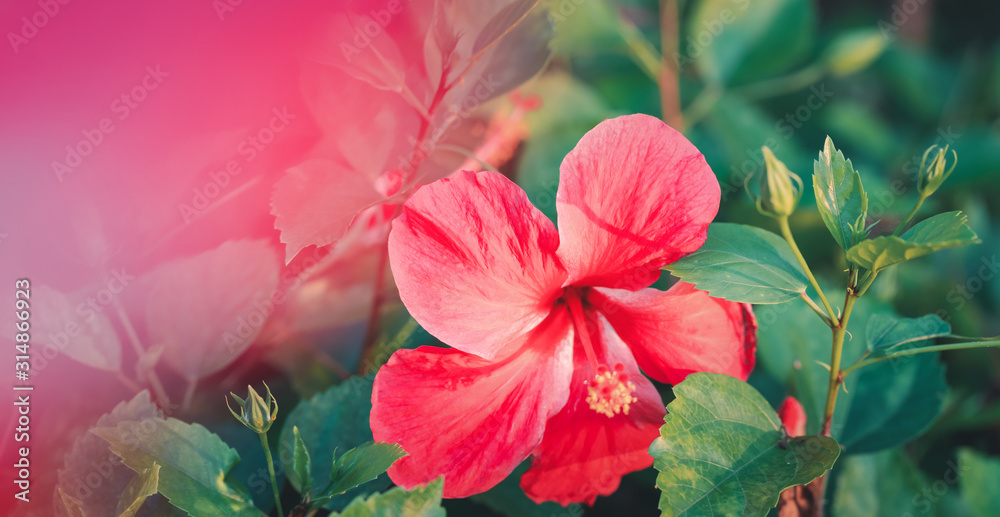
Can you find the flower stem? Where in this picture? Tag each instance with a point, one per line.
(270, 470)
(923, 350)
(909, 216)
(816, 308)
(702, 104)
(836, 376)
(786, 232)
(781, 85)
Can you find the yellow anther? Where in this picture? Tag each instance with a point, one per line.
(610, 392)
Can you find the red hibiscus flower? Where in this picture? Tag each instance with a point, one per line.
(550, 328)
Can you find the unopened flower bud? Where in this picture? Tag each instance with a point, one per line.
(933, 175)
(256, 412)
(780, 188)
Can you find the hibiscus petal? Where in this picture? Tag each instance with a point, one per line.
(584, 453)
(682, 331)
(634, 195)
(471, 419)
(475, 262)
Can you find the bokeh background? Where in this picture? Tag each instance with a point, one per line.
(159, 259)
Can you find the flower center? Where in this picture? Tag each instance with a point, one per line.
(609, 392)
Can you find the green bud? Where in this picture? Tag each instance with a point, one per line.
(932, 175)
(854, 51)
(780, 188)
(256, 412)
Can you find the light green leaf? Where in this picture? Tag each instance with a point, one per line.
(841, 199)
(334, 419)
(853, 51)
(723, 451)
(143, 485)
(979, 478)
(935, 233)
(419, 502)
(884, 333)
(739, 39)
(194, 464)
(896, 399)
(744, 264)
(361, 465)
(301, 465)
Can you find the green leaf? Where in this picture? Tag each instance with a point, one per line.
(419, 502)
(143, 485)
(876, 485)
(884, 333)
(723, 451)
(841, 199)
(853, 51)
(194, 464)
(979, 476)
(508, 498)
(935, 233)
(896, 399)
(334, 419)
(734, 40)
(744, 264)
(361, 465)
(301, 466)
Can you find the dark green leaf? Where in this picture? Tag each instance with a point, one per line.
(335, 419)
(897, 399)
(877, 485)
(884, 333)
(747, 39)
(979, 482)
(361, 465)
(143, 485)
(935, 233)
(723, 451)
(508, 498)
(841, 199)
(744, 264)
(194, 464)
(419, 502)
(301, 466)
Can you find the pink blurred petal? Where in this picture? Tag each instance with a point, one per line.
(634, 195)
(793, 416)
(681, 331)
(475, 263)
(584, 454)
(471, 419)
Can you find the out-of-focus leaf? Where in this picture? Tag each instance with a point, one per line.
(345, 44)
(731, 40)
(207, 310)
(885, 333)
(897, 399)
(316, 201)
(91, 460)
(744, 264)
(74, 328)
(853, 51)
(863, 129)
(419, 502)
(508, 498)
(584, 28)
(301, 463)
(877, 485)
(840, 197)
(72, 506)
(335, 419)
(979, 477)
(932, 234)
(143, 485)
(720, 436)
(194, 464)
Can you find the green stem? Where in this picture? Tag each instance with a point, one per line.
(816, 308)
(786, 232)
(923, 350)
(642, 52)
(909, 217)
(835, 356)
(270, 470)
(866, 282)
(781, 85)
